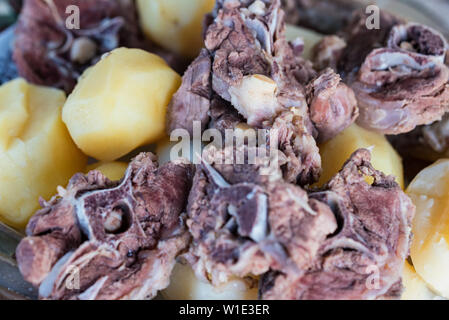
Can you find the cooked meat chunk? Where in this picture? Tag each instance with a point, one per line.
(303, 163)
(47, 52)
(244, 222)
(360, 41)
(327, 52)
(258, 73)
(332, 105)
(117, 240)
(254, 67)
(325, 16)
(397, 72)
(399, 90)
(192, 101)
(364, 256)
(430, 142)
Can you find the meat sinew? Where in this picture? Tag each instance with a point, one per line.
(256, 71)
(364, 256)
(347, 241)
(48, 52)
(109, 240)
(245, 223)
(397, 72)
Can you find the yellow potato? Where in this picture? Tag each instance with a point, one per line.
(414, 286)
(184, 285)
(120, 103)
(429, 191)
(310, 38)
(337, 151)
(36, 151)
(112, 170)
(175, 24)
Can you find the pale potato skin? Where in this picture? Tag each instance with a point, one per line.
(120, 103)
(184, 285)
(337, 151)
(37, 153)
(175, 24)
(112, 170)
(429, 191)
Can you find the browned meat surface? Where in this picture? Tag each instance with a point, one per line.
(397, 72)
(48, 53)
(258, 73)
(113, 240)
(364, 256)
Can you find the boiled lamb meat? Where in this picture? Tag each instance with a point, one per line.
(398, 72)
(100, 239)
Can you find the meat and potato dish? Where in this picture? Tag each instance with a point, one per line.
(226, 149)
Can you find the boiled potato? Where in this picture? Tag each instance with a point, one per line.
(184, 285)
(176, 25)
(36, 151)
(310, 38)
(414, 286)
(112, 170)
(120, 103)
(429, 191)
(337, 151)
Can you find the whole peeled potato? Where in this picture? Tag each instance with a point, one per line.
(36, 151)
(175, 24)
(120, 103)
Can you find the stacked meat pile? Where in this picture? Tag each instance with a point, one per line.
(348, 240)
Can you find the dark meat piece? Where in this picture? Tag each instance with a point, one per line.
(192, 101)
(245, 222)
(116, 240)
(48, 53)
(428, 143)
(325, 16)
(397, 72)
(332, 105)
(254, 67)
(360, 41)
(327, 52)
(303, 163)
(364, 257)
(256, 72)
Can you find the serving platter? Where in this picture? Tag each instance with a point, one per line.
(12, 286)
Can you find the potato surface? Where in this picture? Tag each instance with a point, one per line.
(175, 24)
(36, 151)
(112, 170)
(414, 286)
(184, 285)
(429, 191)
(337, 151)
(120, 103)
